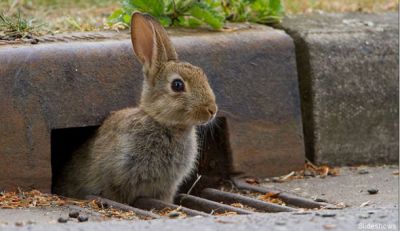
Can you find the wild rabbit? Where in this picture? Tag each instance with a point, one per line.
(145, 151)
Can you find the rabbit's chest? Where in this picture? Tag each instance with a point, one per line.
(162, 157)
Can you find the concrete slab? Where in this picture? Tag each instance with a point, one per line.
(348, 74)
(350, 219)
(349, 187)
(46, 215)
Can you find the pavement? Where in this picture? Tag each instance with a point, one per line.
(349, 187)
(363, 211)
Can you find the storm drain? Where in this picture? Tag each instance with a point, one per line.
(242, 198)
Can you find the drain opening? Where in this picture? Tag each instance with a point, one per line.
(64, 142)
(213, 164)
(207, 196)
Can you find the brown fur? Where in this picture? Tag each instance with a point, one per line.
(149, 150)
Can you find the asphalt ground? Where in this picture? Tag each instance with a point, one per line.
(362, 211)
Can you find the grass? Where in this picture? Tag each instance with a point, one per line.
(14, 23)
(55, 16)
(310, 6)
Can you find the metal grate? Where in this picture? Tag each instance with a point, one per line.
(212, 201)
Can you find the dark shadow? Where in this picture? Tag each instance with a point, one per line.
(213, 165)
(63, 143)
(214, 158)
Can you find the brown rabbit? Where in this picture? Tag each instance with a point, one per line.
(149, 150)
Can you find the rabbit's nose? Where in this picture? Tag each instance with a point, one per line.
(212, 109)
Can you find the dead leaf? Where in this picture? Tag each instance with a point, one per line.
(329, 226)
(226, 214)
(35, 198)
(237, 205)
(270, 194)
(288, 175)
(365, 204)
(252, 180)
(323, 170)
(271, 197)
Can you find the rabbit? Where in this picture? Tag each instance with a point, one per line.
(149, 150)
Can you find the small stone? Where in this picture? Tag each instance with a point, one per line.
(368, 23)
(35, 41)
(62, 220)
(301, 213)
(363, 171)
(174, 214)
(74, 214)
(320, 200)
(363, 216)
(30, 222)
(371, 212)
(373, 191)
(277, 180)
(326, 214)
(308, 173)
(19, 223)
(280, 223)
(83, 218)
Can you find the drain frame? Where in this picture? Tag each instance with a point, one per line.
(227, 197)
(124, 207)
(208, 206)
(149, 204)
(297, 201)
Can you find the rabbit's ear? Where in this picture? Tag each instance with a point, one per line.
(150, 42)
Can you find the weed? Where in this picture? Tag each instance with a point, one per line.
(194, 13)
(15, 26)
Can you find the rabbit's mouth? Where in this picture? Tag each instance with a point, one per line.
(205, 115)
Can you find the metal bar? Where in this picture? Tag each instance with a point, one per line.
(207, 205)
(226, 197)
(149, 203)
(287, 198)
(124, 207)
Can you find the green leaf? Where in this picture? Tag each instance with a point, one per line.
(165, 21)
(116, 14)
(183, 6)
(193, 22)
(206, 16)
(276, 6)
(126, 19)
(192, 13)
(153, 7)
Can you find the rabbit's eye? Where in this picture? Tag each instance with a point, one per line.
(177, 85)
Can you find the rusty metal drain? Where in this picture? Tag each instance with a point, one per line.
(287, 198)
(151, 204)
(110, 203)
(230, 198)
(212, 201)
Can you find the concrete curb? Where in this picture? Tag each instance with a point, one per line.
(348, 75)
(53, 86)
